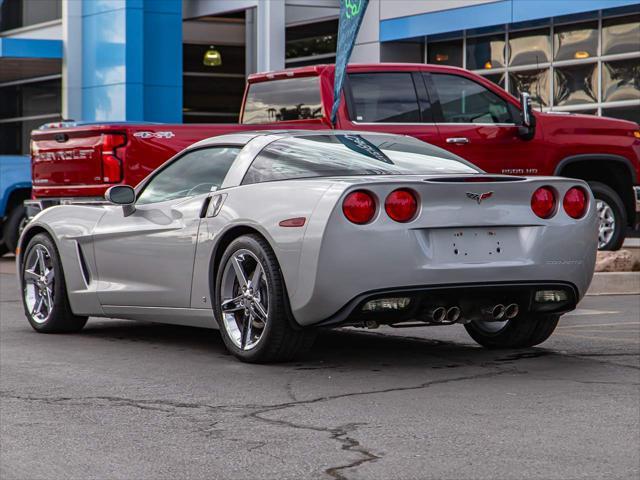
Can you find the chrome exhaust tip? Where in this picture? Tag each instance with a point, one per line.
(511, 310)
(453, 314)
(494, 313)
(436, 315)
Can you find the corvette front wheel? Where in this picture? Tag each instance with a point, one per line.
(44, 297)
(521, 332)
(251, 305)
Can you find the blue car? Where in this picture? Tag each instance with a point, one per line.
(15, 188)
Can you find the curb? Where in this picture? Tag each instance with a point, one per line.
(615, 283)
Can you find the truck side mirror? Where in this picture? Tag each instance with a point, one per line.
(527, 129)
(122, 195)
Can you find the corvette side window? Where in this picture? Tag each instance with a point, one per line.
(464, 101)
(194, 173)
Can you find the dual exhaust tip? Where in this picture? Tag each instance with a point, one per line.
(442, 314)
(498, 312)
(501, 312)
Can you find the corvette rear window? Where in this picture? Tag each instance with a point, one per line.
(333, 155)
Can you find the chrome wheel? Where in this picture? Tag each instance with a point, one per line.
(39, 281)
(607, 227)
(244, 299)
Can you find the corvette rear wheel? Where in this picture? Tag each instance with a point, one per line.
(45, 300)
(521, 332)
(251, 305)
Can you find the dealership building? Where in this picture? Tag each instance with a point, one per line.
(186, 60)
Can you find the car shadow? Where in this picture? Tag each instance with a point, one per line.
(333, 349)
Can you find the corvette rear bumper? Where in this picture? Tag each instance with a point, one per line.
(350, 266)
(470, 298)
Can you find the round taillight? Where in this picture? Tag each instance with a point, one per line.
(359, 207)
(575, 202)
(401, 205)
(543, 202)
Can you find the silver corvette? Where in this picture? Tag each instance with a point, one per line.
(270, 236)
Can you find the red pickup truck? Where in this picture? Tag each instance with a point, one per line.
(446, 106)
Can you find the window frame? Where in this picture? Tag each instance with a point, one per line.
(176, 158)
(423, 98)
(320, 118)
(437, 107)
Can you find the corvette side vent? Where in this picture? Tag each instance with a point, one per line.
(83, 265)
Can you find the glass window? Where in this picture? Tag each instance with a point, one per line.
(15, 137)
(282, 100)
(445, 53)
(576, 42)
(215, 100)
(536, 82)
(576, 84)
(485, 52)
(194, 173)
(497, 78)
(621, 80)
(22, 13)
(312, 39)
(328, 155)
(631, 113)
(36, 98)
(621, 35)
(530, 47)
(465, 101)
(384, 97)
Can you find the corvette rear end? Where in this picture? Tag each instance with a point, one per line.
(448, 249)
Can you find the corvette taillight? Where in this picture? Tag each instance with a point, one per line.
(359, 207)
(401, 205)
(575, 202)
(543, 202)
(111, 162)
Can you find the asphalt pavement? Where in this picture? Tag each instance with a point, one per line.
(135, 400)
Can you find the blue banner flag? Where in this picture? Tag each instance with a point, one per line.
(351, 14)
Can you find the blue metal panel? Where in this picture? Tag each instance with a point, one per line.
(131, 46)
(105, 103)
(30, 48)
(15, 174)
(488, 14)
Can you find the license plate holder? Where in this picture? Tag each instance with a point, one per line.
(476, 244)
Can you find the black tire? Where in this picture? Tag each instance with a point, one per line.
(281, 339)
(3, 248)
(612, 199)
(522, 332)
(13, 227)
(61, 319)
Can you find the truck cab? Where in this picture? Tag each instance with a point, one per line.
(470, 116)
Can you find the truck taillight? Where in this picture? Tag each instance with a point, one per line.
(111, 160)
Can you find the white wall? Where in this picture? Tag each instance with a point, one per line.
(404, 8)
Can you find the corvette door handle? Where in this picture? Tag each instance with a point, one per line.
(458, 140)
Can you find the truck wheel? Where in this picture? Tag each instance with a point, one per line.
(251, 305)
(13, 227)
(44, 292)
(612, 216)
(521, 332)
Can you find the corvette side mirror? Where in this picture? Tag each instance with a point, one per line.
(527, 128)
(122, 195)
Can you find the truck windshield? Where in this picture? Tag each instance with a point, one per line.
(331, 155)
